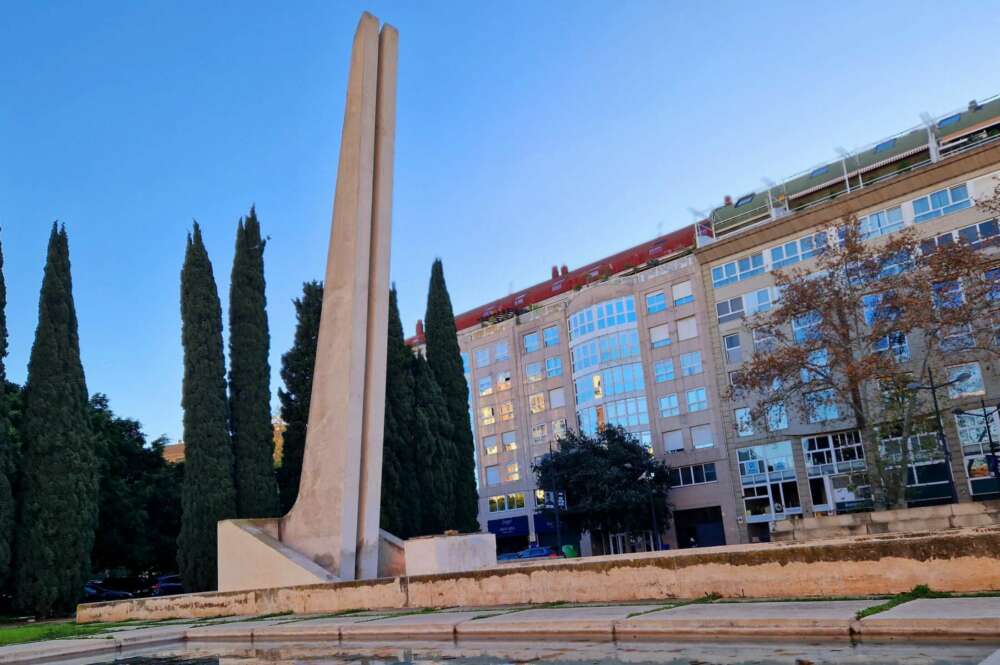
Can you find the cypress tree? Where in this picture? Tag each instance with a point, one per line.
(401, 492)
(434, 450)
(250, 377)
(58, 489)
(445, 361)
(297, 373)
(7, 447)
(208, 494)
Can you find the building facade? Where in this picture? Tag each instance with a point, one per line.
(649, 338)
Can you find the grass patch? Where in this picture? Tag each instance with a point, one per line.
(55, 630)
(920, 591)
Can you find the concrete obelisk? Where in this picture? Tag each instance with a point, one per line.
(335, 521)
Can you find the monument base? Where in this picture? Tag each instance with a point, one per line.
(252, 556)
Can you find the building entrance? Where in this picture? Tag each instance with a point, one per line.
(699, 527)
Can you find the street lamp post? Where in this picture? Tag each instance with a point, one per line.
(942, 441)
(652, 508)
(987, 416)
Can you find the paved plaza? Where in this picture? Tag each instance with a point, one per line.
(938, 619)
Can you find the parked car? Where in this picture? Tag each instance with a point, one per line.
(93, 592)
(168, 585)
(509, 556)
(539, 553)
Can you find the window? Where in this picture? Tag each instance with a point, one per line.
(485, 386)
(729, 310)
(743, 200)
(482, 357)
(609, 382)
(487, 415)
(538, 432)
(764, 340)
(625, 413)
(682, 293)
(646, 441)
(827, 454)
(509, 440)
(608, 314)
(881, 223)
(731, 345)
(512, 474)
(604, 349)
(737, 271)
(553, 366)
(817, 362)
(697, 400)
(691, 363)
(805, 327)
(465, 361)
(501, 352)
(490, 444)
(735, 377)
(659, 336)
(664, 370)
(687, 328)
(970, 386)
(533, 372)
(777, 417)
(536, 402)
(559, 428)
(792, 252)
(493, 475)
(758, 301)
(697, 474)
(972, 430)
(656, 302)
(884, 146)
(977, 233)
(669, 406)
(505, 502)
(673, 442)
(820, 406)
(941, 203)
(531, 342)
(507, 411)
(557, 398)
(503, 381)
(550, 336)
(701, 436)
(744, 422)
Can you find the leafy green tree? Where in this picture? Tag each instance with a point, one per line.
(609, 481)
(250, 376)
(209, 494)
(445, 361)
(297, 373)
(397, 442)
(434, 449)
(139, 503)
(58, 486)
(8, 450)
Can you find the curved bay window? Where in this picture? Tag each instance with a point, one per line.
(767, 475)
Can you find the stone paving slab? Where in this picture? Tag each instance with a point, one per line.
(432, 625)
(235, 630)
(815, 619)
(320, 628)
(937, 617)
(592, 622)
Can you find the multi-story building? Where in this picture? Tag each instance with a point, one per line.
(648, 339)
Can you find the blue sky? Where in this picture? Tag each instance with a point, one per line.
(529, 134)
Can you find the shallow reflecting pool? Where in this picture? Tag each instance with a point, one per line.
(570, 653)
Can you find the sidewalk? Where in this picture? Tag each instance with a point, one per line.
(941, 619)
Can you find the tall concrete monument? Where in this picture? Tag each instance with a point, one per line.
(332, 532)
(335, 521)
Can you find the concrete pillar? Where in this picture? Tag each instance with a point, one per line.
(335, 521)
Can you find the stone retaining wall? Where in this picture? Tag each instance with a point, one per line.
(959, 560)
(928, 518)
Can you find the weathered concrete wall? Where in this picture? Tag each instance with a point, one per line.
(431, 555)
(959, 560)
(253, 556)
(926, 519)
